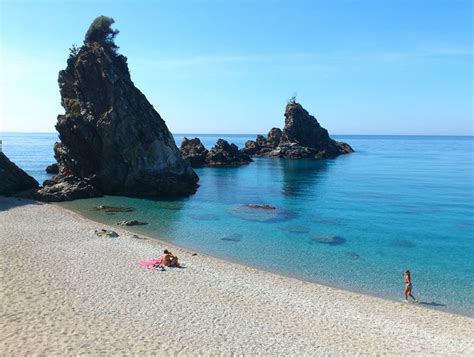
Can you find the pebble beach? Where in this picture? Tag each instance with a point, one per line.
(66, 291)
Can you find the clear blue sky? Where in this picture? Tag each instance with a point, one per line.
(361, 67)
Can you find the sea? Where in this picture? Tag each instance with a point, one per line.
(354, 222)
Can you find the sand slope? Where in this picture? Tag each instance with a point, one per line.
(66, 291)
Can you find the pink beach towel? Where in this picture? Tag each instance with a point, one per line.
(149, 263)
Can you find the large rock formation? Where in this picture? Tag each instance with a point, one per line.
(222, 154)
(112, 139)
(13, 179)
(302, 137)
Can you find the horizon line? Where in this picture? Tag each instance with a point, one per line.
(254, 134)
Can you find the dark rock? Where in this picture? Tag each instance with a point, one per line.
(112, 133)
(106, 233)
(222, 154)
(331, 240)
(302, 137)
(296, 229)
(236, 237)
(194, 151)
(261, 215)
(225, 154)
(138, 237)
(251, 148)
(13, 179)
(131, 223)
(261, 141)
(66, 188)
(52, 169)
(253, 205)
(274, 137)
(114, 209)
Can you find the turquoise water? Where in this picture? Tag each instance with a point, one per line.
(354, 222)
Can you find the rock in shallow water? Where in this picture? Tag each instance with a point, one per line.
(236, 237)
(114, 209)
(222, 154)
(330, 240)
(296, 229)
(131, 223)
(261, 215)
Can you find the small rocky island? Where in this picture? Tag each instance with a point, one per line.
(222, 154)
(112, 140)
(301, 138)
(13, 179)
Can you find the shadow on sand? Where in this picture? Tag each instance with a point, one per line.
(7, 203)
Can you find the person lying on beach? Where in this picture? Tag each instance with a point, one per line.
(408, 287)
(168, 259)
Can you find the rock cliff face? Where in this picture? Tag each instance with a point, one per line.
(302, 137)
(13, 179)
(112, 139)
(222, 154)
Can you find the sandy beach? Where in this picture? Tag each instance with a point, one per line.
(66, 291)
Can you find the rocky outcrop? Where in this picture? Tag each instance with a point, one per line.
(194, 151)
(225, 154)
(222, 154)
(67, 188)
(111, 137)
(13, 179)
(52, 169)
(302, 137)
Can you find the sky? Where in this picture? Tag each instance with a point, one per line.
(230, 66)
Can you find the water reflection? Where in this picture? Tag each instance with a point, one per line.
(300, 177)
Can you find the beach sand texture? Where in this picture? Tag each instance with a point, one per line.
(66, 291)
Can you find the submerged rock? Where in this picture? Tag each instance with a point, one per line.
(261, 215)
(302, 137)
(114, 209)
(110, 132)
(236, 237)
(52, 169)
(295, 229)
(352, 255)
(331, 240)
(222, 154)
(253, 205)
(131, 223)
(13, 179)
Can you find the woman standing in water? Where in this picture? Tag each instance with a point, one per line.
(408, 287)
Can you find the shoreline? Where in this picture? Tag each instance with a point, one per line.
(63, 295)
(164, 241)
